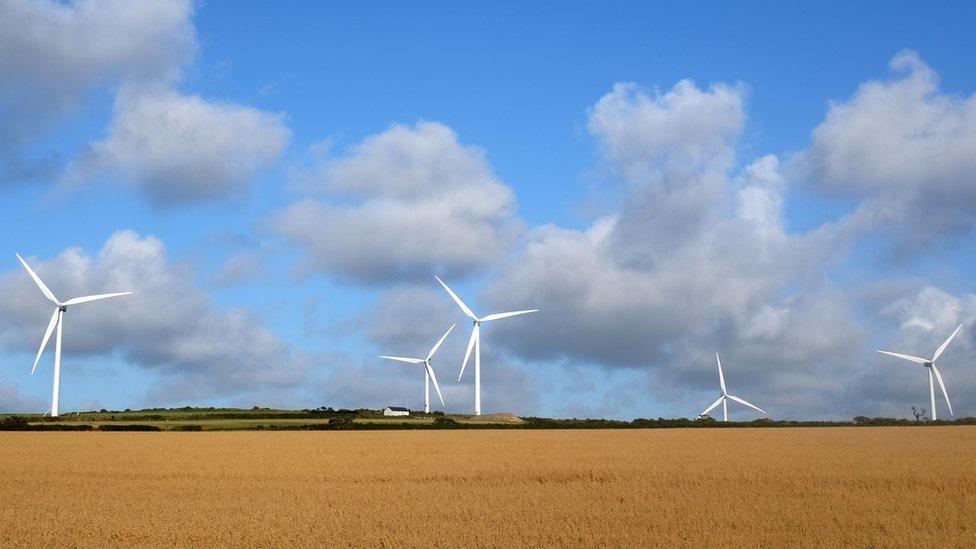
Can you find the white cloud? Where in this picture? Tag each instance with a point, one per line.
(169, 326)
(179, 148)
(174, 147)
(683, 130)
(408, 202)
(55, 52)
(694, 262)
(908, 148)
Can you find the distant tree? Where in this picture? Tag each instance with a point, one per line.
(860, 420)
(919, 414)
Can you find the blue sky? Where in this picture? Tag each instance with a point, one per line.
(294, 168)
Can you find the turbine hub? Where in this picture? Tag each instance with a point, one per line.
(62, 308)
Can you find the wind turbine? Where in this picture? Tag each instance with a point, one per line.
(930, 364)
(475, 341)
(726, 397)
(429, 372)
(57, 321)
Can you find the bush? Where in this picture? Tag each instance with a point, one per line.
(445, 423)
(187, 428)
(59, 427)
(14, 423)
(129, 427)
(342, 422)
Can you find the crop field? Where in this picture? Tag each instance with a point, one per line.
(911, 487)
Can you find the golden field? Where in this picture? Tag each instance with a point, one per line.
(910, 487)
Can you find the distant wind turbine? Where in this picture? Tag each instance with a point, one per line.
(933, 371)
(475, 341)
(429, 371)
(57, 321)
(726, 397)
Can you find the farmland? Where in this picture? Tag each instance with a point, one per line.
(689, 487)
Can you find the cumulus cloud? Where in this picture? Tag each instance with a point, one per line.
(672, 151)
(682, 130)
(907, 148)
(174, 147)
(178, 148)
(170, 327)
(54, 53)
(404, 203)
(697, 260)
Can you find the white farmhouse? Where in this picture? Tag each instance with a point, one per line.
(396, 411)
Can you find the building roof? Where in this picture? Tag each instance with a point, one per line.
(398, 408)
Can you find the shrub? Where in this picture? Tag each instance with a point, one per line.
(14, 423)
(59, 427)
(342, 422)
(192, 427)
(129, 427)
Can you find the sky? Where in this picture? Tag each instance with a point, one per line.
(791, 185)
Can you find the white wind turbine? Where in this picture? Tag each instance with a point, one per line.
(930, 364)
(57, 321)
(726, 397)
(429, 371)
(475, 341)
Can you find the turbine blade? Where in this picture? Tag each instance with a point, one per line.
(47, 336)
(430, 372)
(87, 298)
(945, 393)
(496, 316)
(433, 350)
(402, 359)
(741, 401)
(712, 407)
(37, 280)
(457, 300)
(906, 357)
(721, 376)
(946, 344)
(467, 354)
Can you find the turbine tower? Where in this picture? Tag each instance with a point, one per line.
(428, 370)
(475, 341)
(57, 320)
(726, 397)
(933, 371)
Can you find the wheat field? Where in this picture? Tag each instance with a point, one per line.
(910, 487)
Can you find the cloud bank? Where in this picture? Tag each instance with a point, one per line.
(402, 204)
